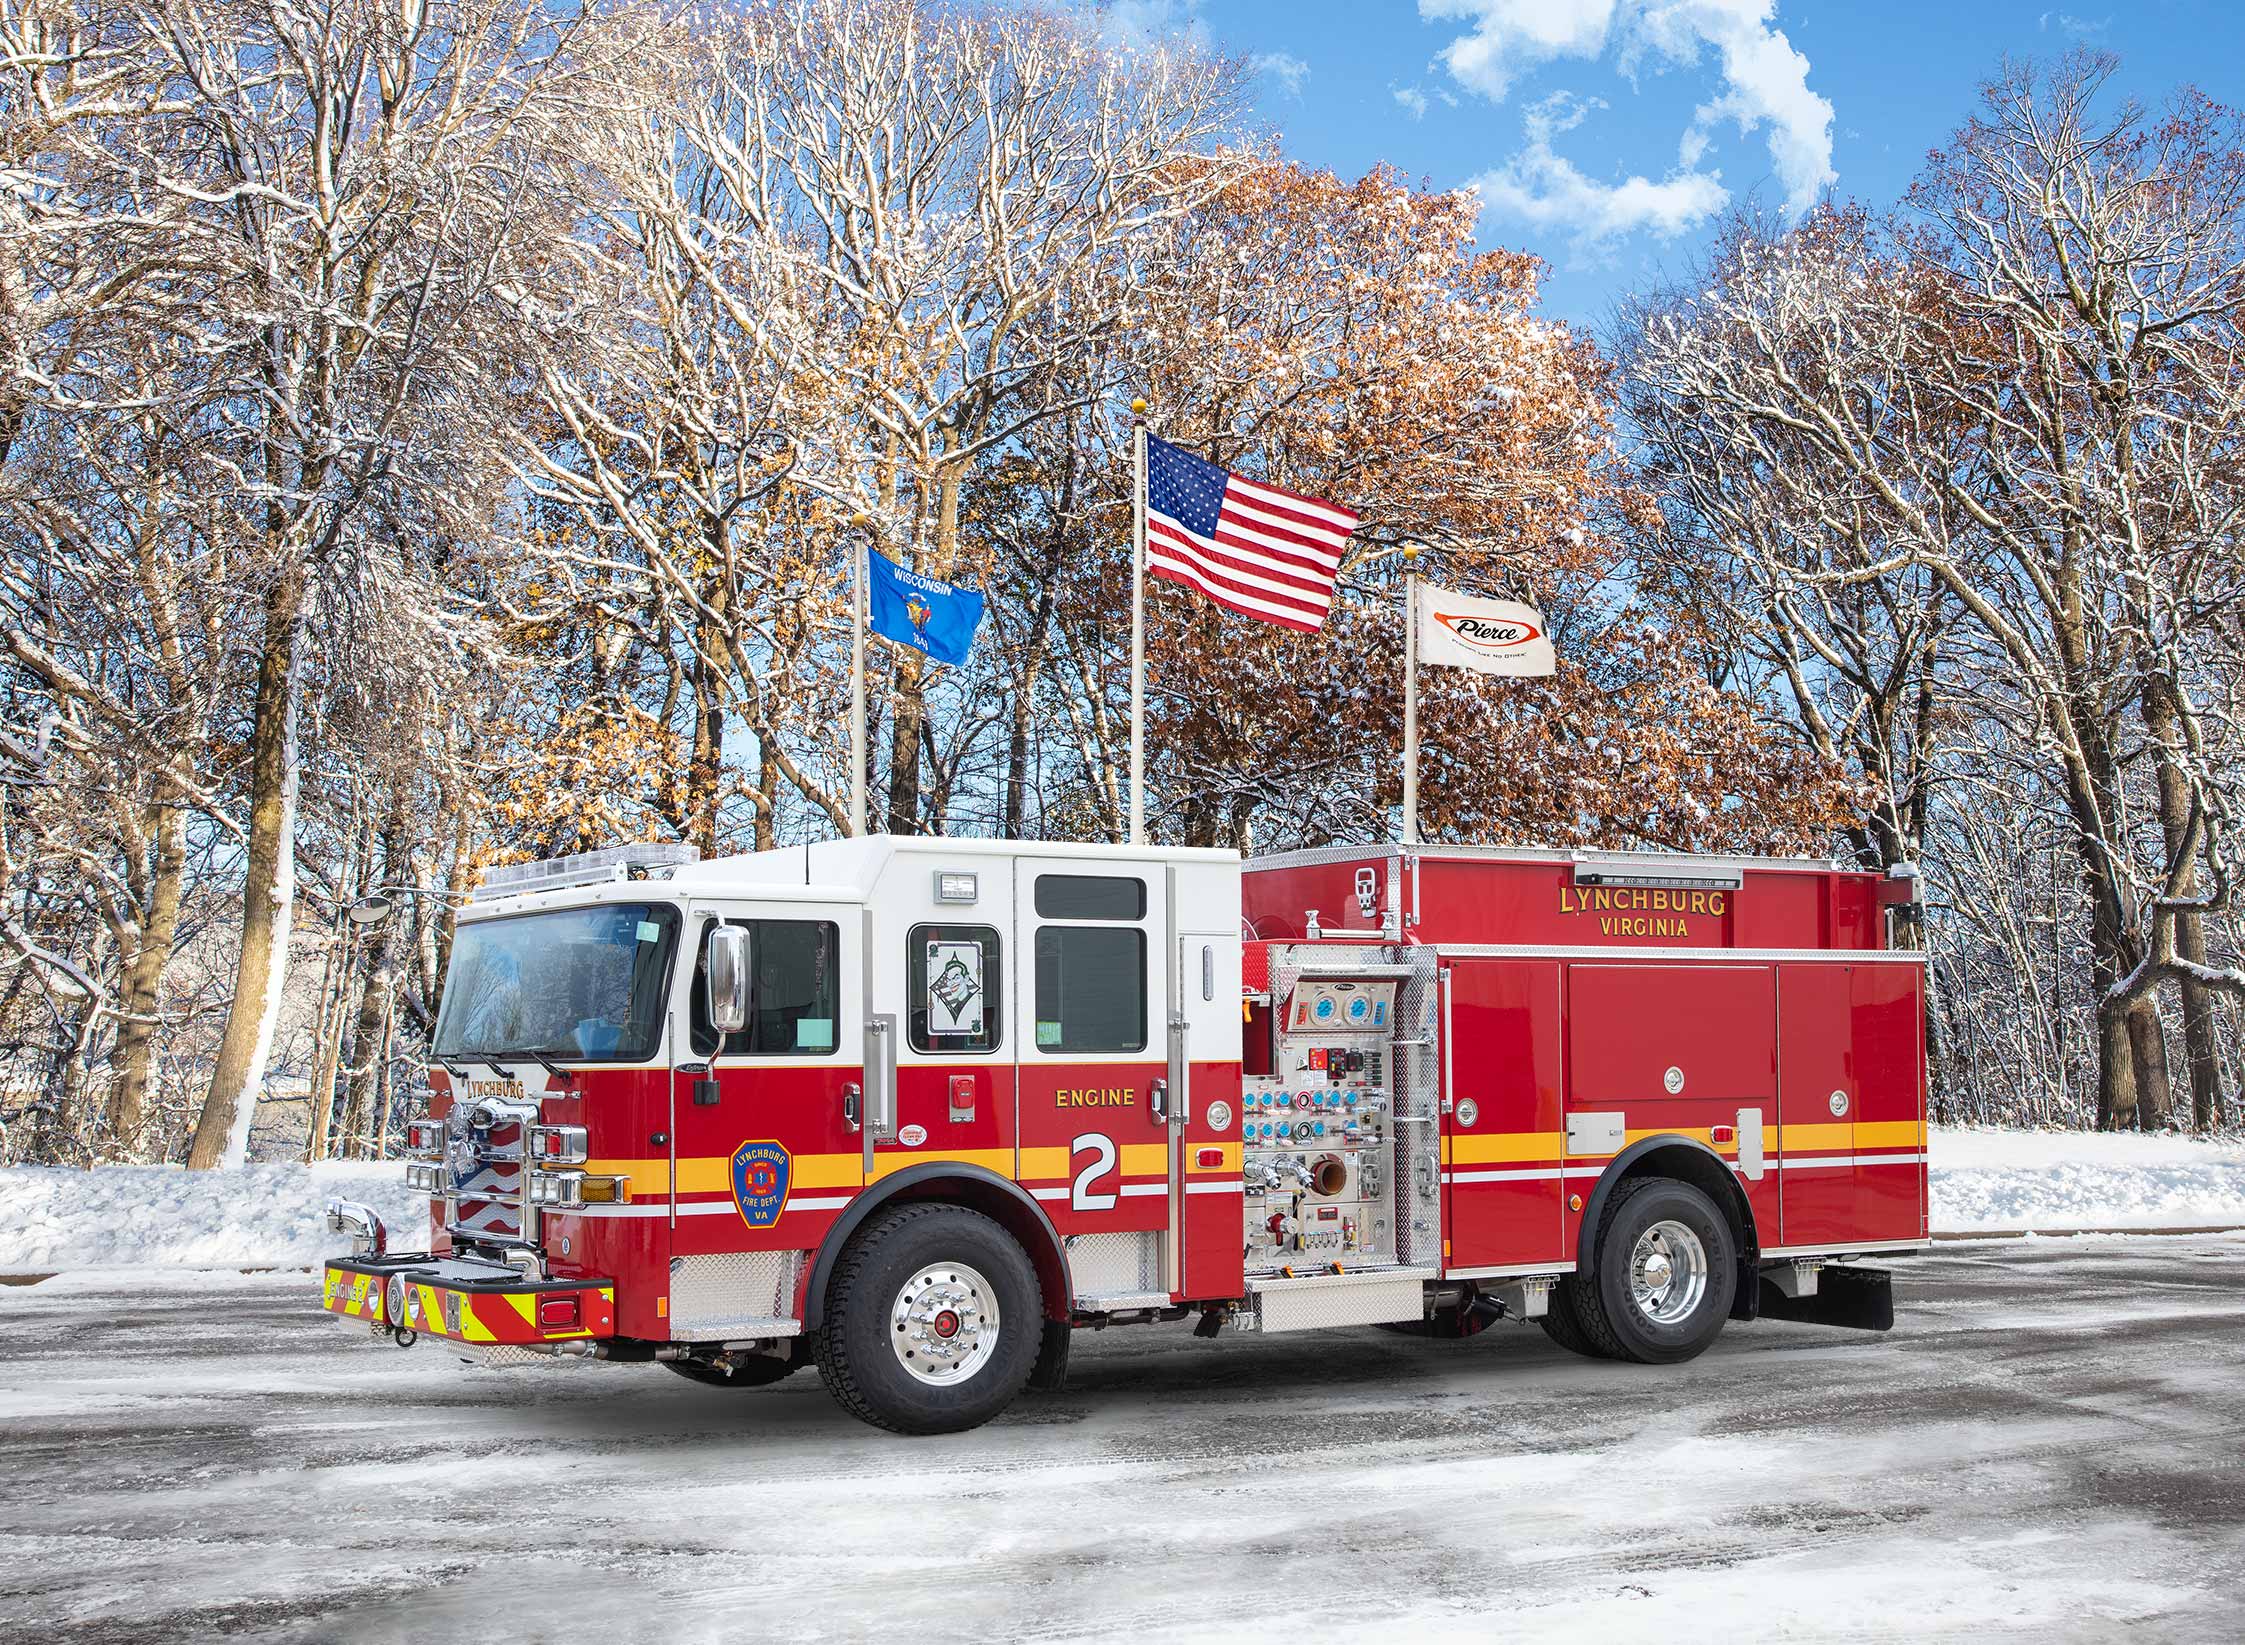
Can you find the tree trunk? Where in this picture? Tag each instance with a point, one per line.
(376, 1002)
(2147, 1044)
(135, 1053)
(2201, 1042)
(268, 888)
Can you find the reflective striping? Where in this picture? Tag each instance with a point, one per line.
(1142, 1190)
(1048, 1193)
(999, 1160)
(1215, 1188)
(1546, 1175)
(1138, 1159)
(1503, 1147)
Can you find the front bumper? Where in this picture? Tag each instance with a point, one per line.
(483, 1303)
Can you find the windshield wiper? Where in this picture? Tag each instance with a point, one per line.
(567, 1076)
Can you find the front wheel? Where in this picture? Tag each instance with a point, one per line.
(1663, 1277)
(932, 1321)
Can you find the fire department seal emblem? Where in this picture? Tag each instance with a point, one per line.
(760, 1182)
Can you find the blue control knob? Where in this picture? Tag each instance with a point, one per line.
(1319, 1128)
(1266, 1128)
(1248, 1128)
(1285, 1129)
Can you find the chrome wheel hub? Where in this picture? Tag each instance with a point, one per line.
(944, 1323)
(1668, 1273)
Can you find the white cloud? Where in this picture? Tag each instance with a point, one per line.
(2074, 28)
(1542, 187)
(1284, 67)
(1413, 100)
(1764, 79)
(1149, 22)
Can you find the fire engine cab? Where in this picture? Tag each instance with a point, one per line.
(916, 1109)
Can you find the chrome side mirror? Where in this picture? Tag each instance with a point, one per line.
(727, 967)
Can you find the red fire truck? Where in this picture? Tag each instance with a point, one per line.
(917, 1109)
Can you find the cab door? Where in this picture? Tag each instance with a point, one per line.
(1093, 1066)
(764, 1138)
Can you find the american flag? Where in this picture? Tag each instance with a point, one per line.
(1249, 547)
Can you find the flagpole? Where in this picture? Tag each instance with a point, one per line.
(1138, 622)
(1410, 694)
(860, 536)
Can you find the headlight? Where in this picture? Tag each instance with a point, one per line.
(425, 1179)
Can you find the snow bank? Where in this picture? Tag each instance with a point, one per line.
(123, 1216)
(2082, 1179)
(272, 1216)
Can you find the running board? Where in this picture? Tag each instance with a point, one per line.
(1316, 1302)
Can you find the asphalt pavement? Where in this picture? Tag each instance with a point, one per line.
(2049, 1446)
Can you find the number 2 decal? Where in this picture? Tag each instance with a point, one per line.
(1102, 1150)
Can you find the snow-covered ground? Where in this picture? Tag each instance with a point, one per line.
(272, 1216)
(2043, 1450)
(2084, 1179)
(121, 1216)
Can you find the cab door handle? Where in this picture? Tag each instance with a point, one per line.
(658, 1139)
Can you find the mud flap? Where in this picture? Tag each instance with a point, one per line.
(1861, 1299)
(1050, 1374)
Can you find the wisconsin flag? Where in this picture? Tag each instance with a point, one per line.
(1489, 636)
(927, 615)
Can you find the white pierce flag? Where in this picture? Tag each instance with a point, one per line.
(1489, 636)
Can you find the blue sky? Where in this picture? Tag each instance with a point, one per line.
(1605, 133)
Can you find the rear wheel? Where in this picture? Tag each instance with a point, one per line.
(1663, 1277)
(932, 1321)
(752, 1371)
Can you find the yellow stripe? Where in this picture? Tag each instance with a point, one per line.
(999, 1160)
(1139, 1159)
(1887, 1134)
(1465, 1148)
(713, 1174)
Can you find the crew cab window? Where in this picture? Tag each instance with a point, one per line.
(1090, 897)
(794, 991)
(1091, 988)
(954, 983)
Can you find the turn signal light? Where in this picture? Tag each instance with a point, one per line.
(557, 1144)
(1722, 1134)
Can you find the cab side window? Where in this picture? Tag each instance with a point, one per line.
(794, 991)
(953, 981)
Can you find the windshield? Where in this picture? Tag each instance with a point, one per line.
(576, 983)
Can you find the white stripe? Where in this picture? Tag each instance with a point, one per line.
(1281, 562)
(1340, 517)
(799, 1203)
(1315, 558)
(1199, 561)
(1503, 1176)
(1890, 1159)
(1277, 586)
(1829, 1162)
(1142, 1190)
(1215, 1188)
(1048, 1193)
(1253, 604)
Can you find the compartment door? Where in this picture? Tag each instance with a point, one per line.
(1503, 1132)
(1817, 1099)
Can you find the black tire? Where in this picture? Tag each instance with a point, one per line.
(854, 1344)
(1605, 1306)
(756, 1371)
(1562, 1322)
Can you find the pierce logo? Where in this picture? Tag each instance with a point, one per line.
(1483, 634)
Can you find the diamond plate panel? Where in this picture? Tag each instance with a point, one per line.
(1127, 1264)
(1323, 1302)
(734, 1293)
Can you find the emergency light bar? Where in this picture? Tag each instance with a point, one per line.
(1687, 875)
(617, 862)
